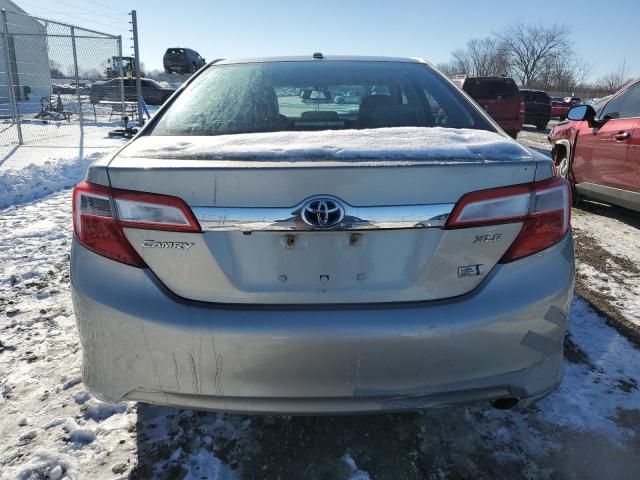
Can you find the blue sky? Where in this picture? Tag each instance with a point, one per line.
(603, 33)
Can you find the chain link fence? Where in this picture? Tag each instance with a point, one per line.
(59, 82)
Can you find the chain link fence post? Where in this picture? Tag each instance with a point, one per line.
(79, 99)
(136, 53)
(15, 114)
(121, 74)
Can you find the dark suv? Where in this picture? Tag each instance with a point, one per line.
(182, 60)
(537, 107)
(499, 96)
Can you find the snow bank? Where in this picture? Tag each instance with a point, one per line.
(40, 179)
(385, 143)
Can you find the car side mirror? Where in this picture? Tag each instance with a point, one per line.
(583, 113)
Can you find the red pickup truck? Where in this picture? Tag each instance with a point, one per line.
(499, 96)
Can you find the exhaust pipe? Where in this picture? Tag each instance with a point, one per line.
(505, 403)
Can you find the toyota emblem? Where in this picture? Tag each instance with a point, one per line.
(322, 212)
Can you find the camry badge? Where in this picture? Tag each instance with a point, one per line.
(158, 244)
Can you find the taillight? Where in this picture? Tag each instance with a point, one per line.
(521, 111)
(100, 213)
(544, 208)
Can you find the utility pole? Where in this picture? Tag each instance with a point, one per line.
(136, 53)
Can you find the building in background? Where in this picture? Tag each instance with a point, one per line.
(29, 61)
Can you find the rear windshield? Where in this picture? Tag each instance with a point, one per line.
(537, 97)
(540, 97)
(281, 96)
(491, 88)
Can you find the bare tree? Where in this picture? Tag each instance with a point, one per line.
(616, 79)
(563, 74)
(447, 69)
(530, 47)
(488, 56)
(460, 63)
(481, 57)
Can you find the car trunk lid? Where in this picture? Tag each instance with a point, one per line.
(248, 192)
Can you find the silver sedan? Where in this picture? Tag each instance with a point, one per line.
(239, 256)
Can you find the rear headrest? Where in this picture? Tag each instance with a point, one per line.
(378, 111)
(374, 102)
(265, 104)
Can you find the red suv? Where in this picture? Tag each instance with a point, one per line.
(599, 151)
(499, 96)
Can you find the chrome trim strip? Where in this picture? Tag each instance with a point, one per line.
(252, 219)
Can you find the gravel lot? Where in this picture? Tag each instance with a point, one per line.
(51, 428)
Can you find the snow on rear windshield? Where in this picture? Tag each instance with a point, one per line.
(302, 96)
(400, 143)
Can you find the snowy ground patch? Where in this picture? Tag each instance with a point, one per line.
(608, 244)
(41, 168)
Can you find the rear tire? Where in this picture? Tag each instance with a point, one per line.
(541, 126)
(563, 166)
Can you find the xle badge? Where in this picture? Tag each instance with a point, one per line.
(157, 244)
(496, 237)
(470, 270)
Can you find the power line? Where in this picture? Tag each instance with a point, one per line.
(78, 10)
(99, 4)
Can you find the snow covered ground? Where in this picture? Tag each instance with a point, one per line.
(45, 166)
(52, 428)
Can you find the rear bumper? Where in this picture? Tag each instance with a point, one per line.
(502, 340)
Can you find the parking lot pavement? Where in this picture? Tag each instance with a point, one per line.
(51, 427)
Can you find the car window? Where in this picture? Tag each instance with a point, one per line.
(625, 105)
(280, 96)
(540, 97)
(491, 88)
(148, 83)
